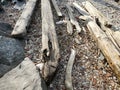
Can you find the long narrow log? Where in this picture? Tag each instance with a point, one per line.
(107, 47)
(80, 9)
(56, 8)
(105, 44)
(72, 19)
(94, 12)
(68, 76)
(101, 20)
(50, 47)
(24, 20)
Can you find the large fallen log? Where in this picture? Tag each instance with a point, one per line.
(50, 47)
(105, 44)
(107, 47)
(72, 18)
(56, 8)
(24, 20)
(101, 21)
(94, 12)
(68, 76)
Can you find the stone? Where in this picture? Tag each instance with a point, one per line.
(11, 51)
(5, 29)
(23, 77)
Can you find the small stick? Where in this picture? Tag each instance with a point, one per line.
(68, 76)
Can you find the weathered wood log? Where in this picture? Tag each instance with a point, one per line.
(101, 21)
(50, 47)
(80, 9)
(24, 20)
(69, 27)
(109, 50)
(116, 36)
(56, 8)
(94, 12)
(72, 19)
(68, 75)
(106, 45)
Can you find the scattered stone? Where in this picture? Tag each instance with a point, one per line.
(24, 77)
(11, 51)
(5, 29)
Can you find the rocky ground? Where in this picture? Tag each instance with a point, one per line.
(90, 70)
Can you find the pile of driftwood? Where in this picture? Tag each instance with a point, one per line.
(98, 25)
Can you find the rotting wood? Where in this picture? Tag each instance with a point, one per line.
(109, 50)
(24, 19)
(106, 45)
(56, 8)
(72, 19)
(101, 20)
(95, 13)
(69, 27)
(50, 47)
(80, 9)
(68, 75)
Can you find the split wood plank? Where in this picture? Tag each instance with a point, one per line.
(24, 19)
(68, 76)
(107, 47)
(80, 9)
(101, 20)
(95, 13)
(72, 18)
(50, 47)
(56, 8)
(105, 44)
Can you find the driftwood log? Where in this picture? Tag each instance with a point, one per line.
(50, 47)
(101, 19)
(95, 13)
(56, 8)
(24, 20)
(105, 44)
(72, 18)
(68, 76)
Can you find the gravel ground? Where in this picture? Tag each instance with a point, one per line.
(90, 70)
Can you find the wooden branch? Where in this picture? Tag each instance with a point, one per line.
(101, 20)
(72, 19)
(80, 9)
(50, 47)
(68, 76)
(24, 20)
(56, 8)
(69, 26)
(94, 12)
(107, 47)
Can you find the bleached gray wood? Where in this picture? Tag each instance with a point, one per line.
(68, 75)
(50, 47)
(24, 19)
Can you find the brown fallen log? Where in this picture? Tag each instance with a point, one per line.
(95, 13)
(50, 47)
(101, 21)
(68, 75)
(106, 45)
(56, 8)
(24, 19)
(72, 18)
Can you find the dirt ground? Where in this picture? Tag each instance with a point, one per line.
(90, 70)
